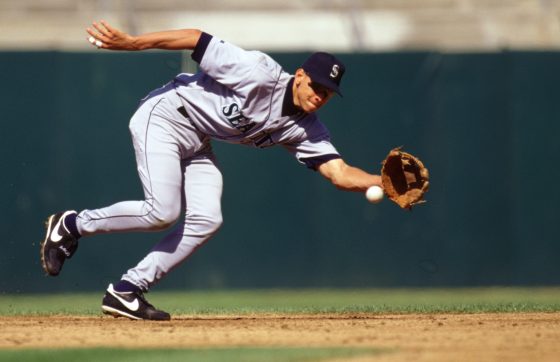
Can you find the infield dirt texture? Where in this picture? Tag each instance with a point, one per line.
(391, 337)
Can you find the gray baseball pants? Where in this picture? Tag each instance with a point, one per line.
(178, 172)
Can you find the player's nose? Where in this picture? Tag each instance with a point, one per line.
(322, 96)
(318, 99)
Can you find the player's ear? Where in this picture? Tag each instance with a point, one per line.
(300, 74)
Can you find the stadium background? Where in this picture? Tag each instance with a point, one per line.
(469, 86)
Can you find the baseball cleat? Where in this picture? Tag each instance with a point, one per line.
(132, 305)
(59, 243)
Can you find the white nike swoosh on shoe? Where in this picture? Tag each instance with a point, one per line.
(133, 306)
(55, 235)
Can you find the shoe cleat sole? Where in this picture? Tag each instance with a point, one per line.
(43, 243)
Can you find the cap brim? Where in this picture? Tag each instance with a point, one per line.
(327, 83)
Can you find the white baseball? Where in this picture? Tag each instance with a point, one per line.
(374, 194)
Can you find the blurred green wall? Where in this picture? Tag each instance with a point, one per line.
(487, 125)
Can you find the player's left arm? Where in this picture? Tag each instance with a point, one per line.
(346, 177)
(105, 36)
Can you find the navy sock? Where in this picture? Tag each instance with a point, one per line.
(124, 286)
(70, 224)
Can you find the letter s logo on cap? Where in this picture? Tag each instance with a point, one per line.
(334, 71)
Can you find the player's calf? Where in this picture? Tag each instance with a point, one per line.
(59, 243)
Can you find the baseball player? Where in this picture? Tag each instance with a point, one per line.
(238, 96)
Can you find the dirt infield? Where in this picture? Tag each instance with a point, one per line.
(406, 337)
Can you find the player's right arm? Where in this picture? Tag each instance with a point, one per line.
(346, 177)
(115, 39)
(240, 70)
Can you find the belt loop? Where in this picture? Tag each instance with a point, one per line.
(183, 112)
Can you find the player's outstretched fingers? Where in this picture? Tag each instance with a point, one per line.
(103, 30)
(107, 37)
(110, 29)
(96, 42)
(91, 32)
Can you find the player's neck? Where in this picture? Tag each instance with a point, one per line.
(288, 105)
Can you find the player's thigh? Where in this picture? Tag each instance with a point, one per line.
(159, 162)
(203, 189)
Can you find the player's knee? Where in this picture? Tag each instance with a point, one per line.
(214, 223)
(204, 225)
(161, 219)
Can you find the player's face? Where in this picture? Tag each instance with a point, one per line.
(309, 96)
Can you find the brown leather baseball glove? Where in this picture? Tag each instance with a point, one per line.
(404, 178)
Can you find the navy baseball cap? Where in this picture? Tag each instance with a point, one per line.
(325, 69)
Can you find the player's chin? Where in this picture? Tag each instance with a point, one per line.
(311, 107)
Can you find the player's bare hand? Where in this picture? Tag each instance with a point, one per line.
(105, 36)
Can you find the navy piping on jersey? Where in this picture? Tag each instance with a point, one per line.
(200, 47)
(314, 162)
(166, 88)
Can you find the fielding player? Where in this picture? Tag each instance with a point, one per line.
(238, 96)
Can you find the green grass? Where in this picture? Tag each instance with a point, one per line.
(475, 300)
(463, 300)
(185, 355)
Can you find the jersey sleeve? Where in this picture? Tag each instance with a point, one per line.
(232, 66)
(314, 147)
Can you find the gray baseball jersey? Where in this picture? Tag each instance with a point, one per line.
(245, 97)
(238, 96)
